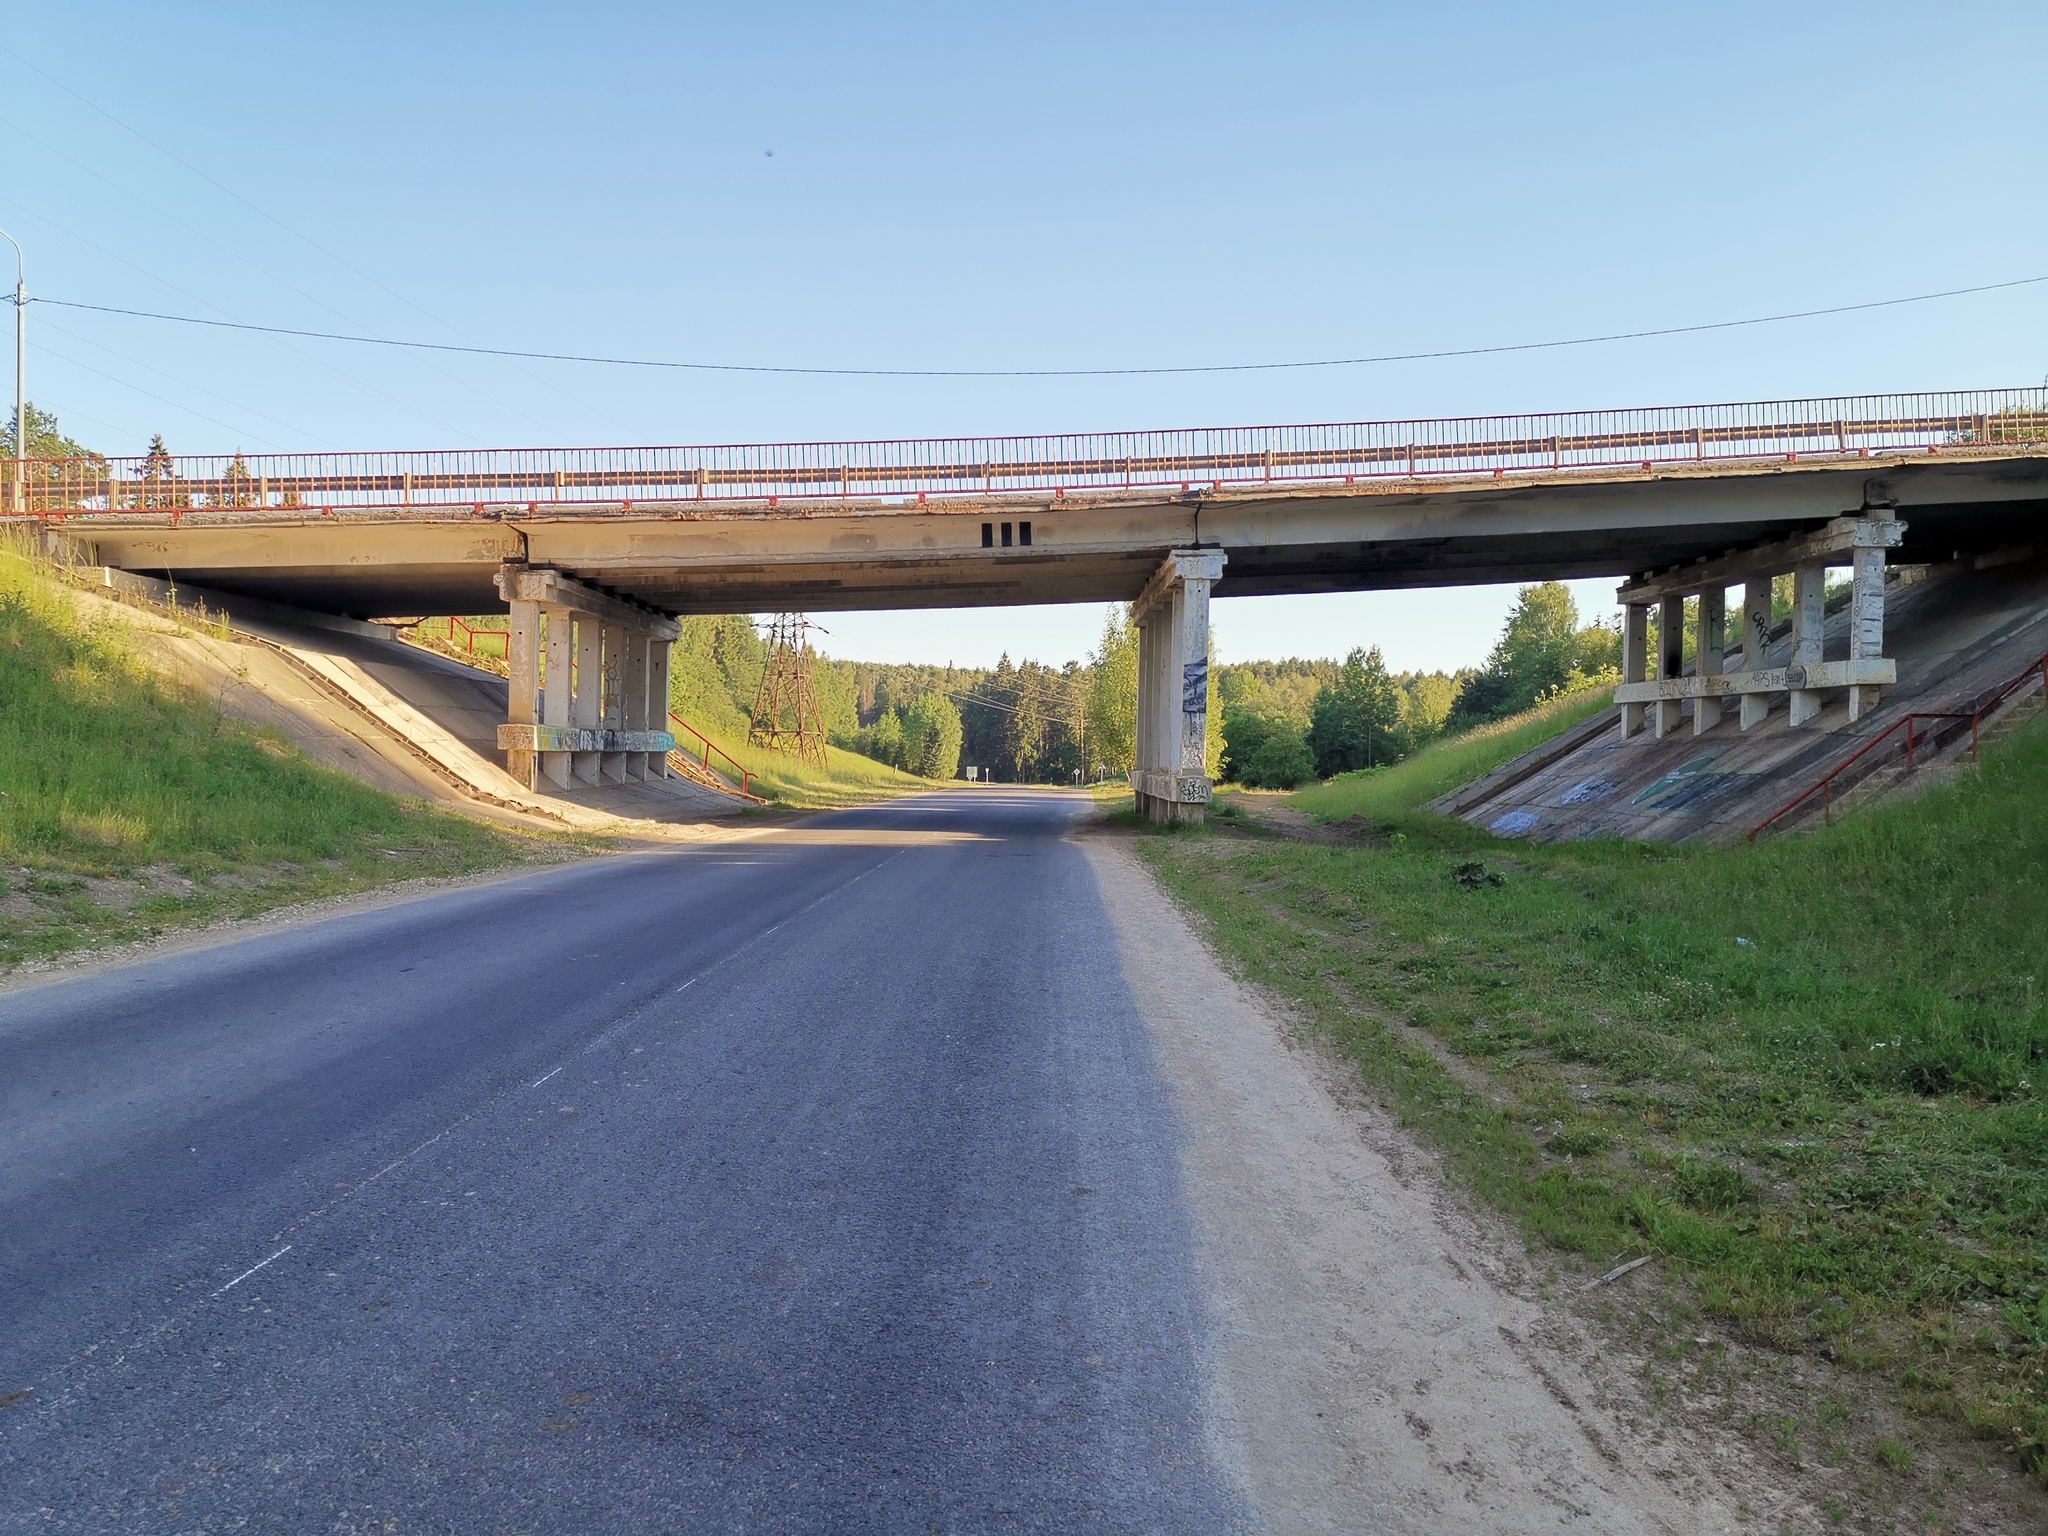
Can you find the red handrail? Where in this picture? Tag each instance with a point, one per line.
(1825, 787)
(501, 481)
(469, 634)
(710, 746)
(746, 776)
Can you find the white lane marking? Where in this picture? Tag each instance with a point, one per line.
(613, 1030)
(174, 1324)
(245, 1274)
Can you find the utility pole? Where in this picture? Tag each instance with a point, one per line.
(20, 487)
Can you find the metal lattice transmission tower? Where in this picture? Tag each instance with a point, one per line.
(786, 715)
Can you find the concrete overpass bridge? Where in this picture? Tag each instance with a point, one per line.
(594, 551)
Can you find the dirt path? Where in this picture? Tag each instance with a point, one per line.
(1370, 1373)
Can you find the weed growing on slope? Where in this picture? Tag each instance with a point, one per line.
(1445, 764)
(127, 805)
(846, 779)
(1808, 1073)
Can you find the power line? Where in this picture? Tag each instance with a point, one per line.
(1054, 373)
(164, 399)
(135, 362)
(228, 251)
(296, 234)
(303, 356)
(1012, 709)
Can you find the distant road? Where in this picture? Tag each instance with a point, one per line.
(823, 1181)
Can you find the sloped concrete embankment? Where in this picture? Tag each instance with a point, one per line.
(1958, 632)
(352, 698)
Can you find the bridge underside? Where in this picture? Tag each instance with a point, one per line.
(1013, 550)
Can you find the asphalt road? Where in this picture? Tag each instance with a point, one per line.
(820, 1182)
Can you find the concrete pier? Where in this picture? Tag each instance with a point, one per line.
(589, 684)
(1171, 779)
(1807, 676)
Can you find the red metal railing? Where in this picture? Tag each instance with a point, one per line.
(1903, 728)
(468, 640)
(746, 775)
(512, 479)
(708, 746)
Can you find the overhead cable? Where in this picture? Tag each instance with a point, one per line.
(1053, 373)
(296, 234)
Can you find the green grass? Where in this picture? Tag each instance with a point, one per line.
(1443, 765)
(128, 806)
(847, 778)
(1809, 1073)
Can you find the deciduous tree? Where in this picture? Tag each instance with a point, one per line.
(1355, 722)
(1112, 704)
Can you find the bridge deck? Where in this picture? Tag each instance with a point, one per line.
(973, 522)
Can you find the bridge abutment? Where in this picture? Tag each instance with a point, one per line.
(1171, 777)
(1807, 676)
(588, 686)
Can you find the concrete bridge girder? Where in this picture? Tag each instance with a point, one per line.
(828, 555)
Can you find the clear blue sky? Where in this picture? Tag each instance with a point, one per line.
(1030, 186)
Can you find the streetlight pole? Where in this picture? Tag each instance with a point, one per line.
(17, 493)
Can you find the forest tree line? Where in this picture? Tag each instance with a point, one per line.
(1273, 724)
(1288, 722)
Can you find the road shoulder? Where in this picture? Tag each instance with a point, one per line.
(1373, 1355)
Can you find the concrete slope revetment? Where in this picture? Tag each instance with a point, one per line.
(353, 698)
(1959, 631)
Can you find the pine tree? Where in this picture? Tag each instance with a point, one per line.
(1024, 741)
(45, 441)
(160, 477)
(237, 485)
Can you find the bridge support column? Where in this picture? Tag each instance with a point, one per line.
(1756, 639)
(1807, 676)
(1665, 713)
(633, 700)
(1707, 650)
(1635, 662)
(1171, 777)
(611, 705)
(587, 702)
(1809, 613)
(1866, 624)
(557, 674)
(1147, 750)
(523, 685)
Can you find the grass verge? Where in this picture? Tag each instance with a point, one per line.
(846, 779)
(1443, 765)
(1807, 1074)
(128, 806)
